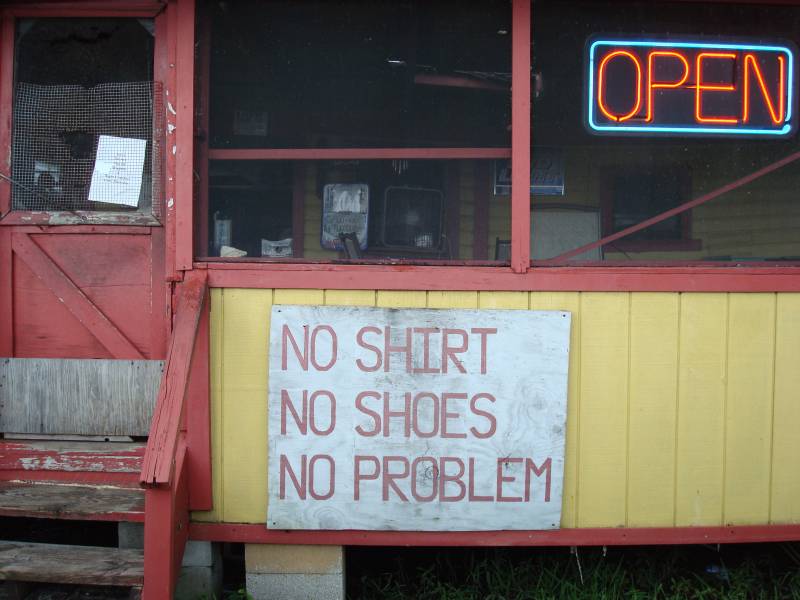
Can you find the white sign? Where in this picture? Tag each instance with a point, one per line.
(117, 175)
(416, 419)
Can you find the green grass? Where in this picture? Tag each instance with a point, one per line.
(743, 572)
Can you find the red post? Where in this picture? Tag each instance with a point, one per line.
(6, 100)
(520, 135)
(184, 136)
(166, 529)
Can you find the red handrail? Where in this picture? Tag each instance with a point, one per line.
(166, 431)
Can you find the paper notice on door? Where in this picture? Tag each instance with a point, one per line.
(117, 175)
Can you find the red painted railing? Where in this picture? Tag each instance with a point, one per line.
(170, 449)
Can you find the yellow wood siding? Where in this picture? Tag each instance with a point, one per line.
(683, 408)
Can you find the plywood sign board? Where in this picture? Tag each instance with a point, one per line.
(416, 419)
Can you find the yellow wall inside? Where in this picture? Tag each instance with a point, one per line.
(683, 408)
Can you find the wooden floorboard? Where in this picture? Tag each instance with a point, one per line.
(83, 565)
(70, 501)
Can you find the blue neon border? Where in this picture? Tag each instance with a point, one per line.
(784, 131)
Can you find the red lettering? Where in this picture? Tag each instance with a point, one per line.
(473, 497)
(370, 413)
(286, 468)
(431, 474)
(331, 476)
(388, 349)
(426, 351)
(444, 479)
(777, 115)
(449, 352)
(358, 477)
(302, 357)
(287, 405)
(601, 85)
(501, 479)
(701, 87)
(360, 341)
(405, 414)
(434, 415)
(451, 415)
(652, 84)
(389, 477)
(333, 344)
(530, 466)
(484, 332)
(331, 412)
(482, 413)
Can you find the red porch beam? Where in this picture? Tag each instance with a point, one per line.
(520, 135)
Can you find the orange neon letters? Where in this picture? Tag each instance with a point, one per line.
(651, 85)
(600, 88)
(700, 87)
(777, 117)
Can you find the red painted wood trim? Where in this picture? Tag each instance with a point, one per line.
(80, 477)
(79, 229)
(616, 536)
(299, 209)
(6, 294)
(203, 130)
(680, 208)
(184, 137)
(31, 457)
(165, 57)
(198, 417)
(356, 153)
(159, 459)
(587, 279)
(520, 135)
(6, 103)
(482, 196)
(159, 296)
(166, 529)
(80, 218)
(73, 298)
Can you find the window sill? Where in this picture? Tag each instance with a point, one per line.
(593, 277)
(79, 217)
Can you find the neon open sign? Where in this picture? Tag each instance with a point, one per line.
(690, 88)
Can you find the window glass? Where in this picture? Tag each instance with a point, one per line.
(84, 126)
(395, 210)
(359, 74)
(656, 104)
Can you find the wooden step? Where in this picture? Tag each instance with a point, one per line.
(81, 565)
(86, 457)
(51, 500)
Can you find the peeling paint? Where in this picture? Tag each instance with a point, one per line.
(170, 108)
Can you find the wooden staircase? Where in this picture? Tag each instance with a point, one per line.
(157, 483)
(79, 481)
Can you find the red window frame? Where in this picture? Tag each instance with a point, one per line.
(9, 14)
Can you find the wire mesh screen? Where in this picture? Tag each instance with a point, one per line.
(99, 148)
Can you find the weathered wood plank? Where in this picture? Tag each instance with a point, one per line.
(80, 457)
(84, 565)
(68, 501)
(78, 396)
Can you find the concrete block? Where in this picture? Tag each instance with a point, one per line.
(282, 586)
(199, 582)
(130, 535)
(199, 554)
(294, 559)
